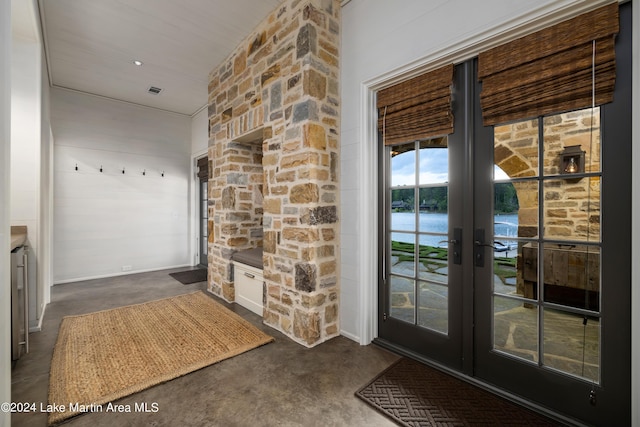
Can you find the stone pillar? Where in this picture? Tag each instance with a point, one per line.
(281, 84)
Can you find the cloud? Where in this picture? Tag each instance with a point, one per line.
(434, 165)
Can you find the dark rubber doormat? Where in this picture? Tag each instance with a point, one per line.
(413, 394)
(190, 276)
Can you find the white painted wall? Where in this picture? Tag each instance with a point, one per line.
(104, 221)
(31, 154)
(25, 151)
(45, 212)
(200, 133)
(382, 42)
(5, 190)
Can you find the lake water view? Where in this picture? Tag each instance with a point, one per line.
(438, 223)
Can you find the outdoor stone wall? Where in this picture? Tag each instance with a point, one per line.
(274, 110)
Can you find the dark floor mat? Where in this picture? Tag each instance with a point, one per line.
(413, 394)
(190, 276)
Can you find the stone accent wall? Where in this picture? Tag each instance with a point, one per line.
(274, 110)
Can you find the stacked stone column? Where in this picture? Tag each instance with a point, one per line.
(280, 87)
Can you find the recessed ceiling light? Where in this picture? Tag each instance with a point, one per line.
(138, 63)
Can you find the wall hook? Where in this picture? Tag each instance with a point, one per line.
(162, 174)
(76, 166)
(123, 170)
(144, 172)
(100, 168)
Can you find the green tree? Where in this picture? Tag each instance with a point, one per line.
(505, 198)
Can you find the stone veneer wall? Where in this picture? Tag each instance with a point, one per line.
(280, 87)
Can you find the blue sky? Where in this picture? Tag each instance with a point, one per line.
(434, 164)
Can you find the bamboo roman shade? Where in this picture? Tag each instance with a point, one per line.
(550, 71)
(417, 108)
(203, 168)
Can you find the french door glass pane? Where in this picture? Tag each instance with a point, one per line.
(433, 207)
(434, 161)
(403, 165)
(572, 275)
(505, 267)
(403, 254)
(516, 149)
(572, 209)
(515, 328)
(434, 260)
(572, 344)
(577, 131)
(203, 194)
(403, 298)
(433, 306)
(516, 208)
(403, 216)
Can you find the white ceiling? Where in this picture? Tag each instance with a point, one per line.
(91, 44)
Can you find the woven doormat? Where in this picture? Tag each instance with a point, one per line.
(104, 356)
(413, 394)
(190, 276)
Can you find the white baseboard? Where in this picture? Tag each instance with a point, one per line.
(126, 273)
(351, 336)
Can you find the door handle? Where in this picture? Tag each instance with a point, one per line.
(479, 245)
(457, 245)
(478, 248)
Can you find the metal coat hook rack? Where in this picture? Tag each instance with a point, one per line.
(101, 169)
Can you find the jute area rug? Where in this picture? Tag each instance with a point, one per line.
(107, 355)
(413, 394)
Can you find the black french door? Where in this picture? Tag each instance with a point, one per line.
(505, 251)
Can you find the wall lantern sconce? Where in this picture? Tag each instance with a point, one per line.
(572, 160)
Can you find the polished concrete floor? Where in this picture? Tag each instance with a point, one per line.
(279, 384)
